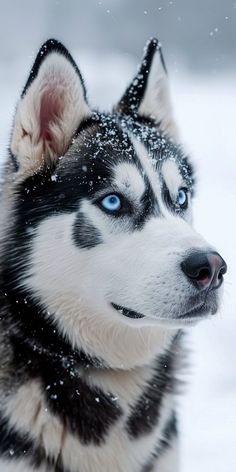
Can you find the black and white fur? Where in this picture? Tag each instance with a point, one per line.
(92, 303)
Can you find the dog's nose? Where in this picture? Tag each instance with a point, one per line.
(204, 269)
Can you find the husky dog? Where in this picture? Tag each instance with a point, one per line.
(100, 272)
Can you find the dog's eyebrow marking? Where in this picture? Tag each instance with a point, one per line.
(171, 176)
(128, 178)
(148, 169)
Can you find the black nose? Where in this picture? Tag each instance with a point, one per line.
(204, 269)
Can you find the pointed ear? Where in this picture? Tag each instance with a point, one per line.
(148, 95)
(51, 107)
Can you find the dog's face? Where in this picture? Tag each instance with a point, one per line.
(103, 212)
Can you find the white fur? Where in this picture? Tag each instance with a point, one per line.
(129, 181)
(148, 166)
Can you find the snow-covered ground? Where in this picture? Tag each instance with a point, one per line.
(206, 112)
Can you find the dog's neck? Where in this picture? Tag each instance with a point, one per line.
(36, 339)
(37, 335)
(58, 354)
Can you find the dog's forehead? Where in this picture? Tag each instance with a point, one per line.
(116, 149)
(129, 179)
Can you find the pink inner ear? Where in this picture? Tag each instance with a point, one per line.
(50, 111)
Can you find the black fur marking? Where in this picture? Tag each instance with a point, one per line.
(13, 159)
(12, 444)
(134, 94)
(150, 206)
(85, 235)
(58, 466)
(51, 45)
(146, 411)
(168, 434)
(88, 412)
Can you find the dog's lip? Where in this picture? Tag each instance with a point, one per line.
(127, 312)
(199, 311)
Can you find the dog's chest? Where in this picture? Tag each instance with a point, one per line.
(99, 421)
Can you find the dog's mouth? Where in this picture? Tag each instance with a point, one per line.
(197, 312)
(127, 312)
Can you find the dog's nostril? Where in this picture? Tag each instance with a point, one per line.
(222, 272)
(204, 269)
(197, 267)
(219, 268)
(204, 274)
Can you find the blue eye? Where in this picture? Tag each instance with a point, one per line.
(111, 203)
(182, 198)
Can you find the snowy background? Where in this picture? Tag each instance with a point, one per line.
(199, 39)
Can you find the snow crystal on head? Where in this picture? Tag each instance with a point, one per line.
(159, 147)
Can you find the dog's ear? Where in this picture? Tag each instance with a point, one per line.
(50, 110)
(148, 95)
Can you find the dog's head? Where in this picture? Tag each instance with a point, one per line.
(101, 234)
